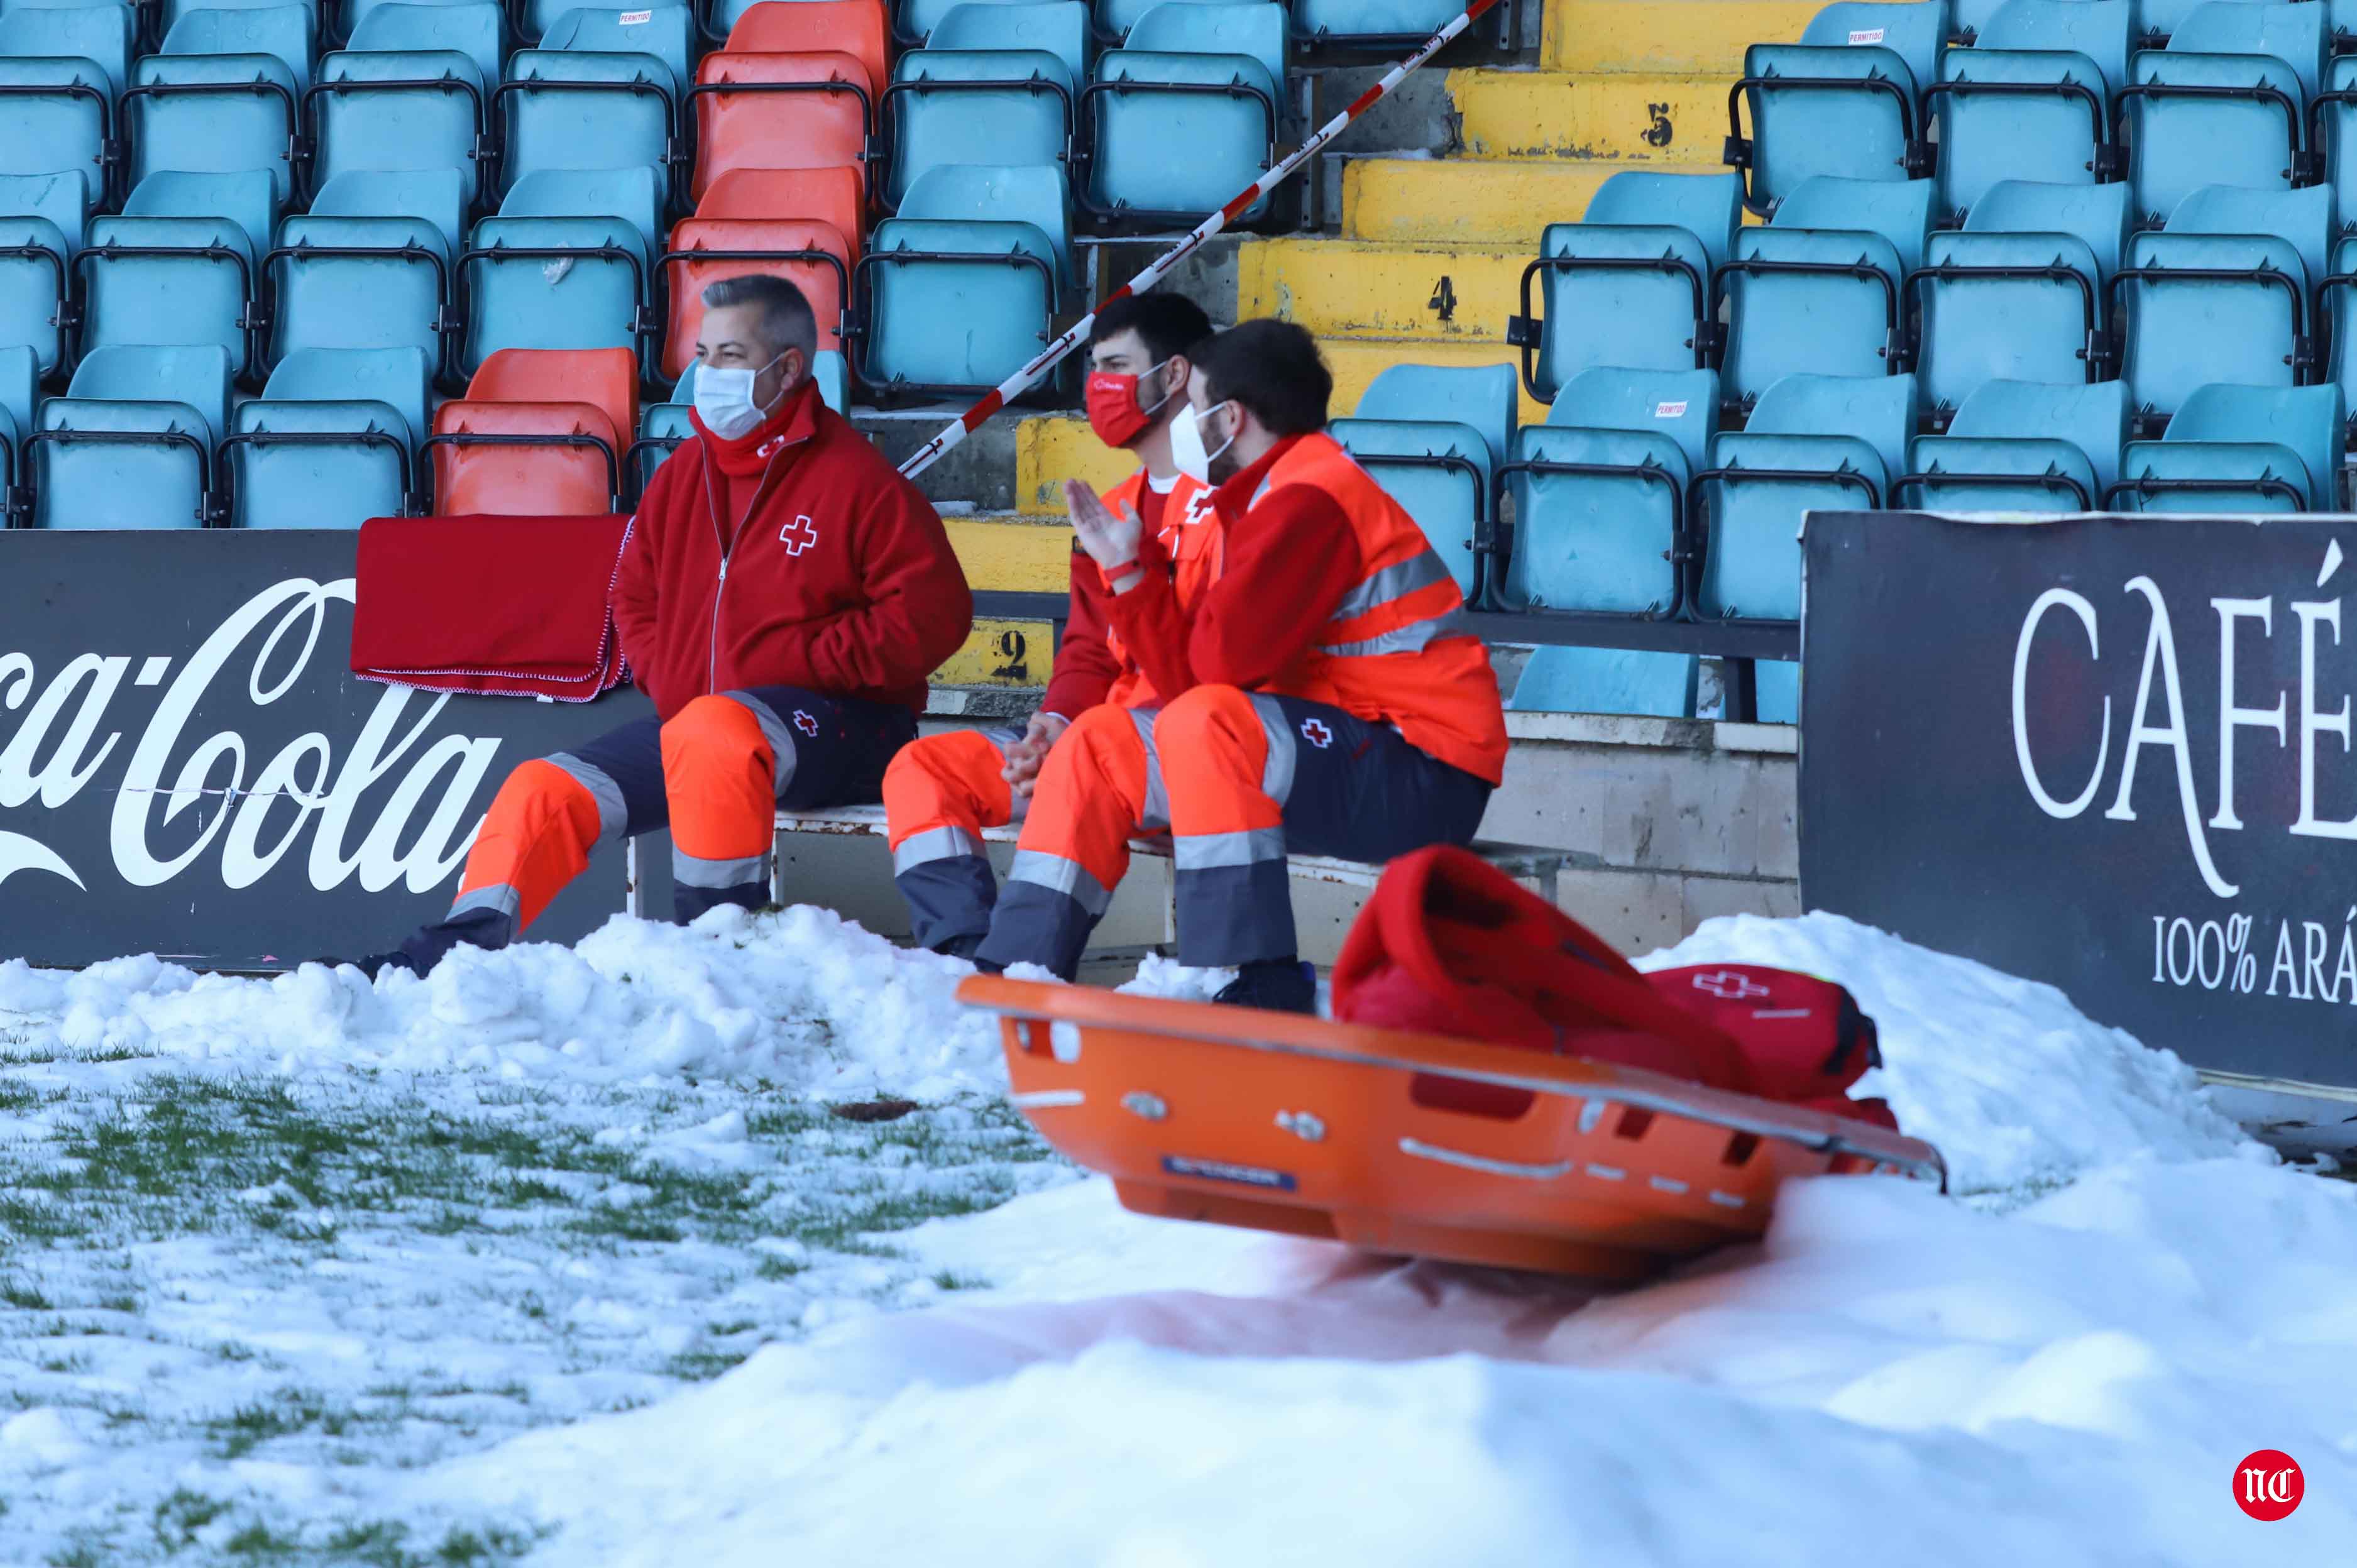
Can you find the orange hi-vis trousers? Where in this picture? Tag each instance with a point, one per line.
(1239, 779)
(939, 794)
(715, 774)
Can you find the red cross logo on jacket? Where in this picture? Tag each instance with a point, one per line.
(805, 723)
(799, 536)
(1317, 733)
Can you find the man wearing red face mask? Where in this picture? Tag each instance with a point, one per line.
(940, 793)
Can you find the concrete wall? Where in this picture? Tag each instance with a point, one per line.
(1668, 824)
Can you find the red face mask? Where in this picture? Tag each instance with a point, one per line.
(1114, 413)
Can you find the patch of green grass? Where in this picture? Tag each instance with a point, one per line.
(702, 1366)
(179, 1517)
(288, 1411)
(24, 1296)
(950, 1279)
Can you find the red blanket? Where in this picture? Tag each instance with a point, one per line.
(505, 606)
(1450, 945)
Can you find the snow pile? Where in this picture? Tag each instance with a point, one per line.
(802, 998)
(2017, 1088)
(2073, 1383)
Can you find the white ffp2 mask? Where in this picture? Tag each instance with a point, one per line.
(723, 400)
(1186, 451)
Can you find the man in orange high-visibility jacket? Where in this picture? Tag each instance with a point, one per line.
(1324, 694)
(941, 791)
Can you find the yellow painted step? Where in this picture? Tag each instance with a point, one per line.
(1002, 653)
(1357, 361)
(1049, 449)
(1669, 37)
(1002, 553)
(1357, 288)
(1488, 201)
(1651, 120)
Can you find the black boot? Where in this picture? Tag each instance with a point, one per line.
(968, 947)
(1280, 985)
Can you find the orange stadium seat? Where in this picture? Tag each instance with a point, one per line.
(856, 27)
(813, 256)
(538, 433)
(780, 111)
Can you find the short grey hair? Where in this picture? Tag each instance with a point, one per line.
(787, 319)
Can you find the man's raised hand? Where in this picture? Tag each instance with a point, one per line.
(1110, 538)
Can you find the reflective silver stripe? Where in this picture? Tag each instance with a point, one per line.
(613, 816)
(497, 896)
(1276, 775)
(1421, 570)
(692, 872)
(1058, 874)
(1206, 852)
(773, 730)
(1158, 793)
(935, 843)
(1413, 638)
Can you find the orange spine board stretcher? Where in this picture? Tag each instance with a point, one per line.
(1408, 1143)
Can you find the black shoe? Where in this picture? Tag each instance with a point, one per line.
(1280, 985)
(372, 965)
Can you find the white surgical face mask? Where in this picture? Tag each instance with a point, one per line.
(1187, 450)
(724, 399)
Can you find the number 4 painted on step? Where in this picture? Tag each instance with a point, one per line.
(1443, 298)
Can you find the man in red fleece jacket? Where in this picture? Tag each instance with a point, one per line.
(781, 600)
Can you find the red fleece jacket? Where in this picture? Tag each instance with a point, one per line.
(794, 556)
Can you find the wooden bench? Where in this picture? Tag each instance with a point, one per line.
(1537, 868)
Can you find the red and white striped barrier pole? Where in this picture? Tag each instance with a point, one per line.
(924, 456)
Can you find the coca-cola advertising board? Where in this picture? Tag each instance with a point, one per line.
(2111, 753)
(187, 766)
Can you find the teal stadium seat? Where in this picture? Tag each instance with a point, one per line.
(1434, 437)
(2338, 302)
(633, 194)
(1813, 442)
(960, 288)
(1607, 681)
(1601, 491)
(212, 115)
(41, 219)
(20, 389)
(2241, 449)
(1370, 24)
(555, 283)
(1817, 291)
(396, 112)
(2021, 446)
(180, 266)
(2034, 101)
(169, 13)
(1116, 19)
(371, 266)
(287, 34)
(994, 76)
(1186, 114)
(56, 112)
(1630, 284)
(2225, 104)
(581, 109)
(2018, 293)
(665, 19)
(331, 442)
(2332, 121)
(130, 444)
(476, 29)
(1845, 100)
(103, 34)
(2223, 295)
(666, 33)
(1776, 690)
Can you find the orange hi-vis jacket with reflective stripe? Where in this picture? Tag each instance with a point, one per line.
(1189, 536)
(1396, 647)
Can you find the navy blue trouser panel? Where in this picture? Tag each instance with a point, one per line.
(1360, 792)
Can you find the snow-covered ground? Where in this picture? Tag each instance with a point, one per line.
(561, 1256)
